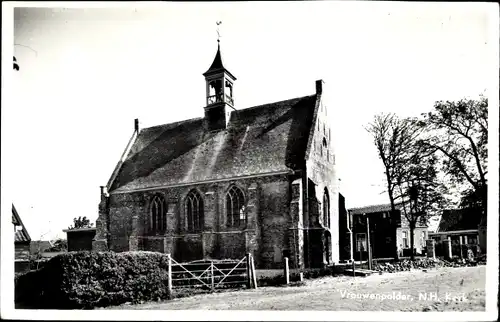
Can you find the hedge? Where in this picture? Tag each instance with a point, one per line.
(84, 280)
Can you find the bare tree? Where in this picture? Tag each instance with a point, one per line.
(37, 256)
(394, 138)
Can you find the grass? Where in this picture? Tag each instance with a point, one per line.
(341, 294)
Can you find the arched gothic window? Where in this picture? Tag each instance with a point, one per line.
(326, 209)
(194, 211)
(235, 207)
(158, 218)
(324, 148)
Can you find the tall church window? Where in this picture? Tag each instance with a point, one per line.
(324, 149)
(194, 211)
(326, 209)
(235, 207)
(158, 218)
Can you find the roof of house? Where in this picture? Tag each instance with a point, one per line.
(459, 219)
(263, 139)
(373, 209)
(20, 236)
(40, 245)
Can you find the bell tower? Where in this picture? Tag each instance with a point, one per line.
(219, 90)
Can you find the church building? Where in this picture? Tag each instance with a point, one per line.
(257, 180)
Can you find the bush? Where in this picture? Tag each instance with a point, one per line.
(89, 279)
(27, 290)
(422, 263)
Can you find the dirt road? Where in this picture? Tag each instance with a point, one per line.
(445, 289)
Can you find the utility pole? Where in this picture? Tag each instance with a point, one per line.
(368, 241)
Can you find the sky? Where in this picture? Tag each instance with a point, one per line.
(87, 73)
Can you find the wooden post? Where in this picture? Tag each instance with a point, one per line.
(249, 277)
(460, 246)
(212, 275)
(254, 274)
(169, 276)
(466, 243)
(369, 246)
(287, 272)
(353, 268)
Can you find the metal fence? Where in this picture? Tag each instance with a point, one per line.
(212, 274)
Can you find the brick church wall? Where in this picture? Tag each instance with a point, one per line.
(321, 171)
(275, 201)
(268, 206)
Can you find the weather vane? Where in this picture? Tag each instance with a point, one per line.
(218, 31)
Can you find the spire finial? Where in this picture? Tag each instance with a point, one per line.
(218, 31)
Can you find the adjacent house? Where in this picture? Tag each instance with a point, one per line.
(388, 231)
(22, 243)
(259, 180)
(460, 226)
(40, 246)
(80, 238)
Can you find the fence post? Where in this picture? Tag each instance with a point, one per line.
(169, 276)
(212, 274)
(448, 249)
(254, 274)
(460, 245)
(287, 272)
(249, 277)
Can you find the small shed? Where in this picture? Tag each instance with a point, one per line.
(80, 238)
(22, 241)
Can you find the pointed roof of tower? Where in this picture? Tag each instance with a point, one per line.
(217, 65)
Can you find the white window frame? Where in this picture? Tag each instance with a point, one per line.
(405, 236)
(422, 238)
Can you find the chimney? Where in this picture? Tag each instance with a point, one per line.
(319, 86)
(136, 125)
(104, 192)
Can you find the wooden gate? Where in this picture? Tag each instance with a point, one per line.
(212, 274)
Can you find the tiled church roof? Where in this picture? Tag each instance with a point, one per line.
(258, 140)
